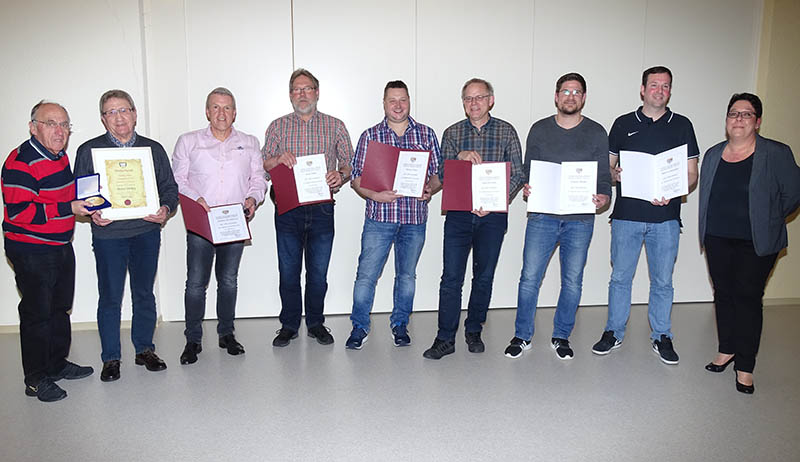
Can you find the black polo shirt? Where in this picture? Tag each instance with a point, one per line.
(637, 132)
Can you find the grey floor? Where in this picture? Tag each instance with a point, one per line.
(311, 402)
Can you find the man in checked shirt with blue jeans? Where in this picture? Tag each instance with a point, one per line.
(306, 231)
(480, 137)
(391, 219)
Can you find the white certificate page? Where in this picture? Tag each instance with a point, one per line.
(648, 177)
(309, 177)
(562, 189)
(412, 169)
(489, 187)
(228, 224)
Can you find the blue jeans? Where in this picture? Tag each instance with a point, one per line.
(304, 231)
(376, 242)
(541, 236)
(114, 258)
(199, 259)
(465, 232)
(661, 245)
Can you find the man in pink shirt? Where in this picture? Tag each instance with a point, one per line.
(216, 165)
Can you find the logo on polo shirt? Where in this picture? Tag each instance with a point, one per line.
(633, 133)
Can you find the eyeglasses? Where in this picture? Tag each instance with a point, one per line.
(52, 124)
(123, 111)
(297, 91)
(746, 115)
(571, 92)
(477, 99)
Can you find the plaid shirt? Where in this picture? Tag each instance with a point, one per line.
(405, 210)
(497, 141)
(322, 134)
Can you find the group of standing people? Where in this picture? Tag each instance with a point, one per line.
(749, 186)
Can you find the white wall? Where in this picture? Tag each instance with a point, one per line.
(169, 54)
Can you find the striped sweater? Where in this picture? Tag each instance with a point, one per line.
(37, 190)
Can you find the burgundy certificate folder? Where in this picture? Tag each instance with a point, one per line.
(286, 189)
(457, 187)
(196, 219)
(380, 166)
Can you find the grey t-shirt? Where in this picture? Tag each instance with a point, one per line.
(587, 141)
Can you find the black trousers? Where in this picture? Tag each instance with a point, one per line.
(739, 277)
(46, 281)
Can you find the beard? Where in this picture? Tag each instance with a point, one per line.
(306, 110)
(570, 110)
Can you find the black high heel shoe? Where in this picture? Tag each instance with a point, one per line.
(742, 388)
(711, 367)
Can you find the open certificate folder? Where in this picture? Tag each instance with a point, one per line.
(303, 184)
(648, 177)
(470, 187)
(389, 168)
(562, 189)
(222, 224)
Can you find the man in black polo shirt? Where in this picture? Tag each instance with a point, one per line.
(652, 128)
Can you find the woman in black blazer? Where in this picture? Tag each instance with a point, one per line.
(749, 185)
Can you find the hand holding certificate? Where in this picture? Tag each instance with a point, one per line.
(219, 225)
(562, 189)
(303, 184)
(651, 177)
(309, 177)
(388, 168)
(490, 187)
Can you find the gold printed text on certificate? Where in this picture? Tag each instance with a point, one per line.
(126, 183)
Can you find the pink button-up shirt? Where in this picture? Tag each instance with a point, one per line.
(221, 172)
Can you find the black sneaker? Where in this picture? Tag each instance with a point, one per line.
(72, 371)
(284, 337)
(46, 390)
(439, 349)
(474, 342)
(561, 345)
(400, 334)
(321, 333)
(357, 338)
(517, 346)
(607, 343)
(663, 348)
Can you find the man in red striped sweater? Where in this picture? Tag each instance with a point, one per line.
(38, 223)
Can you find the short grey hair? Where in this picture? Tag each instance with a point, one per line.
(477, 80)
(221, 91)
(121, 94)
(305, 72)
(45, 102)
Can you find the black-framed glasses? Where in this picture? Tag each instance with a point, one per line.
(746, 115)
(566, 92)
(297, 91)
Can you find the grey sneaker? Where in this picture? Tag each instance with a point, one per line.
(607, 343)
(562, 348)
(663, 348)
(517, 346)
